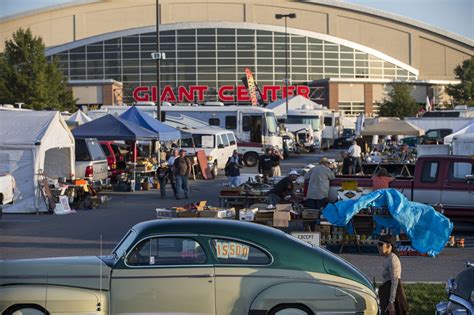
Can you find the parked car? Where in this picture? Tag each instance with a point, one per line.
(188, 266)
(91, 162)
(436, 136)
(115, 159)
(443, 179)
(218, 143)
(460, 293)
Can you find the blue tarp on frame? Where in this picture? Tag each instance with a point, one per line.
(427, 229)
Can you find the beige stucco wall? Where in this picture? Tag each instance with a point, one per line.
(433, 55)
(351, 92)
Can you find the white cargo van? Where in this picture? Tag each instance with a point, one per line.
(217, 143)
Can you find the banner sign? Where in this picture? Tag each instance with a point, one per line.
(196, 93)
(251, 87)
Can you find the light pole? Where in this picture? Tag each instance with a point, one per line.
(158, 83)
(279, 17)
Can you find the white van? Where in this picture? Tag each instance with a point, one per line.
(217, 143)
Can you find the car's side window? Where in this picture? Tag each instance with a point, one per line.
(233, 252)
(161, 251)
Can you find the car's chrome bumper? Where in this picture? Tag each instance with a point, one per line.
(441, 308)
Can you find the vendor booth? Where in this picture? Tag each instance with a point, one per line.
(109, 128)
(32, 145)
(78, 119)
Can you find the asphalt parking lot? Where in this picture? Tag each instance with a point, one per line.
(45, 235)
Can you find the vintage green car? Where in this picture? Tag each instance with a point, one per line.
(190, 266)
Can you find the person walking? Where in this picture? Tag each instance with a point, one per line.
(162, 174)
(282, 189)
(265, 164)
(391, 294)
(319, 178)
(182, 167)
(355, 152)
(346, 164)
(276, 157)
(382, 179)
(171, 170)
(232, 169)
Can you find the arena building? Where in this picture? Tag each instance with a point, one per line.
(347, 54)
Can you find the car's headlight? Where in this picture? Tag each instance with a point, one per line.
(209, 158)
(450, 286)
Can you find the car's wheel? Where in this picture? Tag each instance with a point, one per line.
(290, 309)
(215, 170)
(26, 309)
(251, 159)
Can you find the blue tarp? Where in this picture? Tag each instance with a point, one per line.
(427, 229)
(165, 132)
(110, 127)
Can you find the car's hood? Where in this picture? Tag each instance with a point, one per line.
(77, 271)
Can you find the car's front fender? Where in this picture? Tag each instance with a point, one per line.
(55, 299)
(317, 297)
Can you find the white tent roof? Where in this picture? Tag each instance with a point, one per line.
(469, 129)
(19, 128)
(294, 102)
(392, 126)
(31, 141)
(79, 117)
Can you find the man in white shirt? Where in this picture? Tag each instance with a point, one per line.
(355, 152)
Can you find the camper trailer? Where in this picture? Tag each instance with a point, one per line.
(255, 128)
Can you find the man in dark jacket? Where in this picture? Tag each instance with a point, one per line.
(265, 164)
(282, 189)
(182, 169)
(232, 169)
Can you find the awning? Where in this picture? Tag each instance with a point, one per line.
(392, 127)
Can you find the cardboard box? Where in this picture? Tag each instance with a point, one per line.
(208, 213)
(247, 215)
(282, 215)
(324, 229)
(165, 213)
(310, 214)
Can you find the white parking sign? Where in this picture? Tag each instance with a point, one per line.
(312, 238)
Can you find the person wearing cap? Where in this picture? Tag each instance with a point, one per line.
(171, 170)
(391, 294)
(182, 167)
(162, 175)
(232, 169)
(319, 178)
(282, 189)
(265, 164)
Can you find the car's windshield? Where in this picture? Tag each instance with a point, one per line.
(95, 150)
(271, 123)
(124, 244)
(313, 121)
(200, 141)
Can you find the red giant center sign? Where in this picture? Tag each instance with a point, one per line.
(226, 93)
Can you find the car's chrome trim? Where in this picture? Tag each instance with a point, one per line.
(192, 236)
(217, 264)
(163, 277)
(459, 300)
(53, 277)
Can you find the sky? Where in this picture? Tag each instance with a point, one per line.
(455, 16)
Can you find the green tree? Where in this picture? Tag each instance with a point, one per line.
(399, 103)
(27, 77)
(463, 93)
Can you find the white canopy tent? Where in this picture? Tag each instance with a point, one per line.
(31, 141)
(294, 102)
(469, 129)
(78, 118)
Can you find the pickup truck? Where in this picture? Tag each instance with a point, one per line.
(7, 184)
(446, 180)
